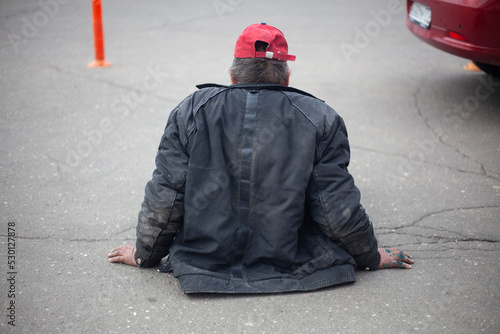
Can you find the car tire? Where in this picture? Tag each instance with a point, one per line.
(489, 69)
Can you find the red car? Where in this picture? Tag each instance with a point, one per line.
(465, 28)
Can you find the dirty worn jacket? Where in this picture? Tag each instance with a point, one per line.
(251, 194)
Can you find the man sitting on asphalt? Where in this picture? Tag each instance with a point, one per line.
(251, 192)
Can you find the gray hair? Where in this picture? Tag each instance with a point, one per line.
(259, 70)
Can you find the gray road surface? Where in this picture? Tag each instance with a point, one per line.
(78, 146)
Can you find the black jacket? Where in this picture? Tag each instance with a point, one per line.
(251, 194)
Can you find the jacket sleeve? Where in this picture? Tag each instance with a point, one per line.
(335, 200)
(162, 210)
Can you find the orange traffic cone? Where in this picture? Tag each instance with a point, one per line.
(98, 37)
(471, 67)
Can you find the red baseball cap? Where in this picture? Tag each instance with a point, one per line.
(277, 48)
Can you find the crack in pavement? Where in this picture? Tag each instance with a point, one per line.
(435, 239)
(443, 246)
(69, 240)
(48, 238)
(111, 83)
(488, 174)
(439, 238)
(440, 212)
(440, 137)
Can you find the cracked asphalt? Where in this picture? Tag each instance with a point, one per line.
(78, 146)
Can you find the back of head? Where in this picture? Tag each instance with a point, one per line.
(261, 55)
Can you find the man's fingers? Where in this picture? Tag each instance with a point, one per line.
(114, 253)
(404, 258)
(116, 259)
(400, 264)
(394, 258)
(123, 254)
(117, 255)
(119, 249)
(407, 255)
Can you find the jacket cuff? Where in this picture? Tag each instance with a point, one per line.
(142, 257)
(372, 263)
(138, 259)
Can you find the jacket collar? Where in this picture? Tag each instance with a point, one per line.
(257, 87)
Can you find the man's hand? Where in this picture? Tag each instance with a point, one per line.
(123, 254)
(394, 258)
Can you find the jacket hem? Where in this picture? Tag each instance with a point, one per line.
(335, 275)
